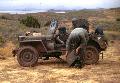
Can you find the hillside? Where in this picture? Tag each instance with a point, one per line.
(10, 26)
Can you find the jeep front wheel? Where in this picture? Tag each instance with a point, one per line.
(91, 55)
(27, 56)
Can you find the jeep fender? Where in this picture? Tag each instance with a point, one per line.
(38, 44)
(95, 44)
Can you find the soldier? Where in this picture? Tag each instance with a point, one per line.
(80, 23)
(76, 44)
(99, 30)
(58, 33)
(61, 35)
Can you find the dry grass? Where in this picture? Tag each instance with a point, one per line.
(55, 71)
(6, 50)
(112, 35)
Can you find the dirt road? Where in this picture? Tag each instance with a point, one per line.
(55, 71)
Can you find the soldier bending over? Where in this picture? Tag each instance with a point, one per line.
(75, 46)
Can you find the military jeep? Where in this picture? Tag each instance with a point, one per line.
(95, 45)
(32, 48)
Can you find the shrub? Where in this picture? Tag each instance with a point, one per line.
(6, 50)
(30, 21)
(118, 19)
(3, 17)
(47, 23)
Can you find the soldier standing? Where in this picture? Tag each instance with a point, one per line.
(76, 44)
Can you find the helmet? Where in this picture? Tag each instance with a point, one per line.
(80, 23)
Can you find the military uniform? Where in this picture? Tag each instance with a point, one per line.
(61, 35)
(78, 37)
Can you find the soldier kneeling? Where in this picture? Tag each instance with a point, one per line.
(75, 45)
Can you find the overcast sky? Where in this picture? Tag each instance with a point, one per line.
(57, 4)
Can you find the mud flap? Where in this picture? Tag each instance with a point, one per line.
(71, 57)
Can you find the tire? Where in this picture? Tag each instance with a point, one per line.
(27, 56)
(91, 55)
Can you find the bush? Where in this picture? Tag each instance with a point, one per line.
(30, 21)
(3, 17)
(118, 19)
(47, 23)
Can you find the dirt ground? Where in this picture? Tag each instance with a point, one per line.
(55, 71)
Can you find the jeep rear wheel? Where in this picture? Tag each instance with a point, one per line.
(27, 56)
(91, 55)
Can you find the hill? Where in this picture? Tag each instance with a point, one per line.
(53, 70)
(10, 26)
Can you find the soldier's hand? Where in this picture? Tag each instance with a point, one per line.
(78, 50)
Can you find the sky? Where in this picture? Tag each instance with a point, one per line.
(56, 4)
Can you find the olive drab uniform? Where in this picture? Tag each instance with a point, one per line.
(78, 37)
(61, 35)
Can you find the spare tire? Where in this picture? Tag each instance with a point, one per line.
(27, 56)
(91, 55)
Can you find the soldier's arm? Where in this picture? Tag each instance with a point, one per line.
(84, 39)
(86, 36)
(59, 40)
(82, 45)
(56, 33)
(67, 47)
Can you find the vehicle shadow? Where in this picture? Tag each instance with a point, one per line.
(59, 63)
